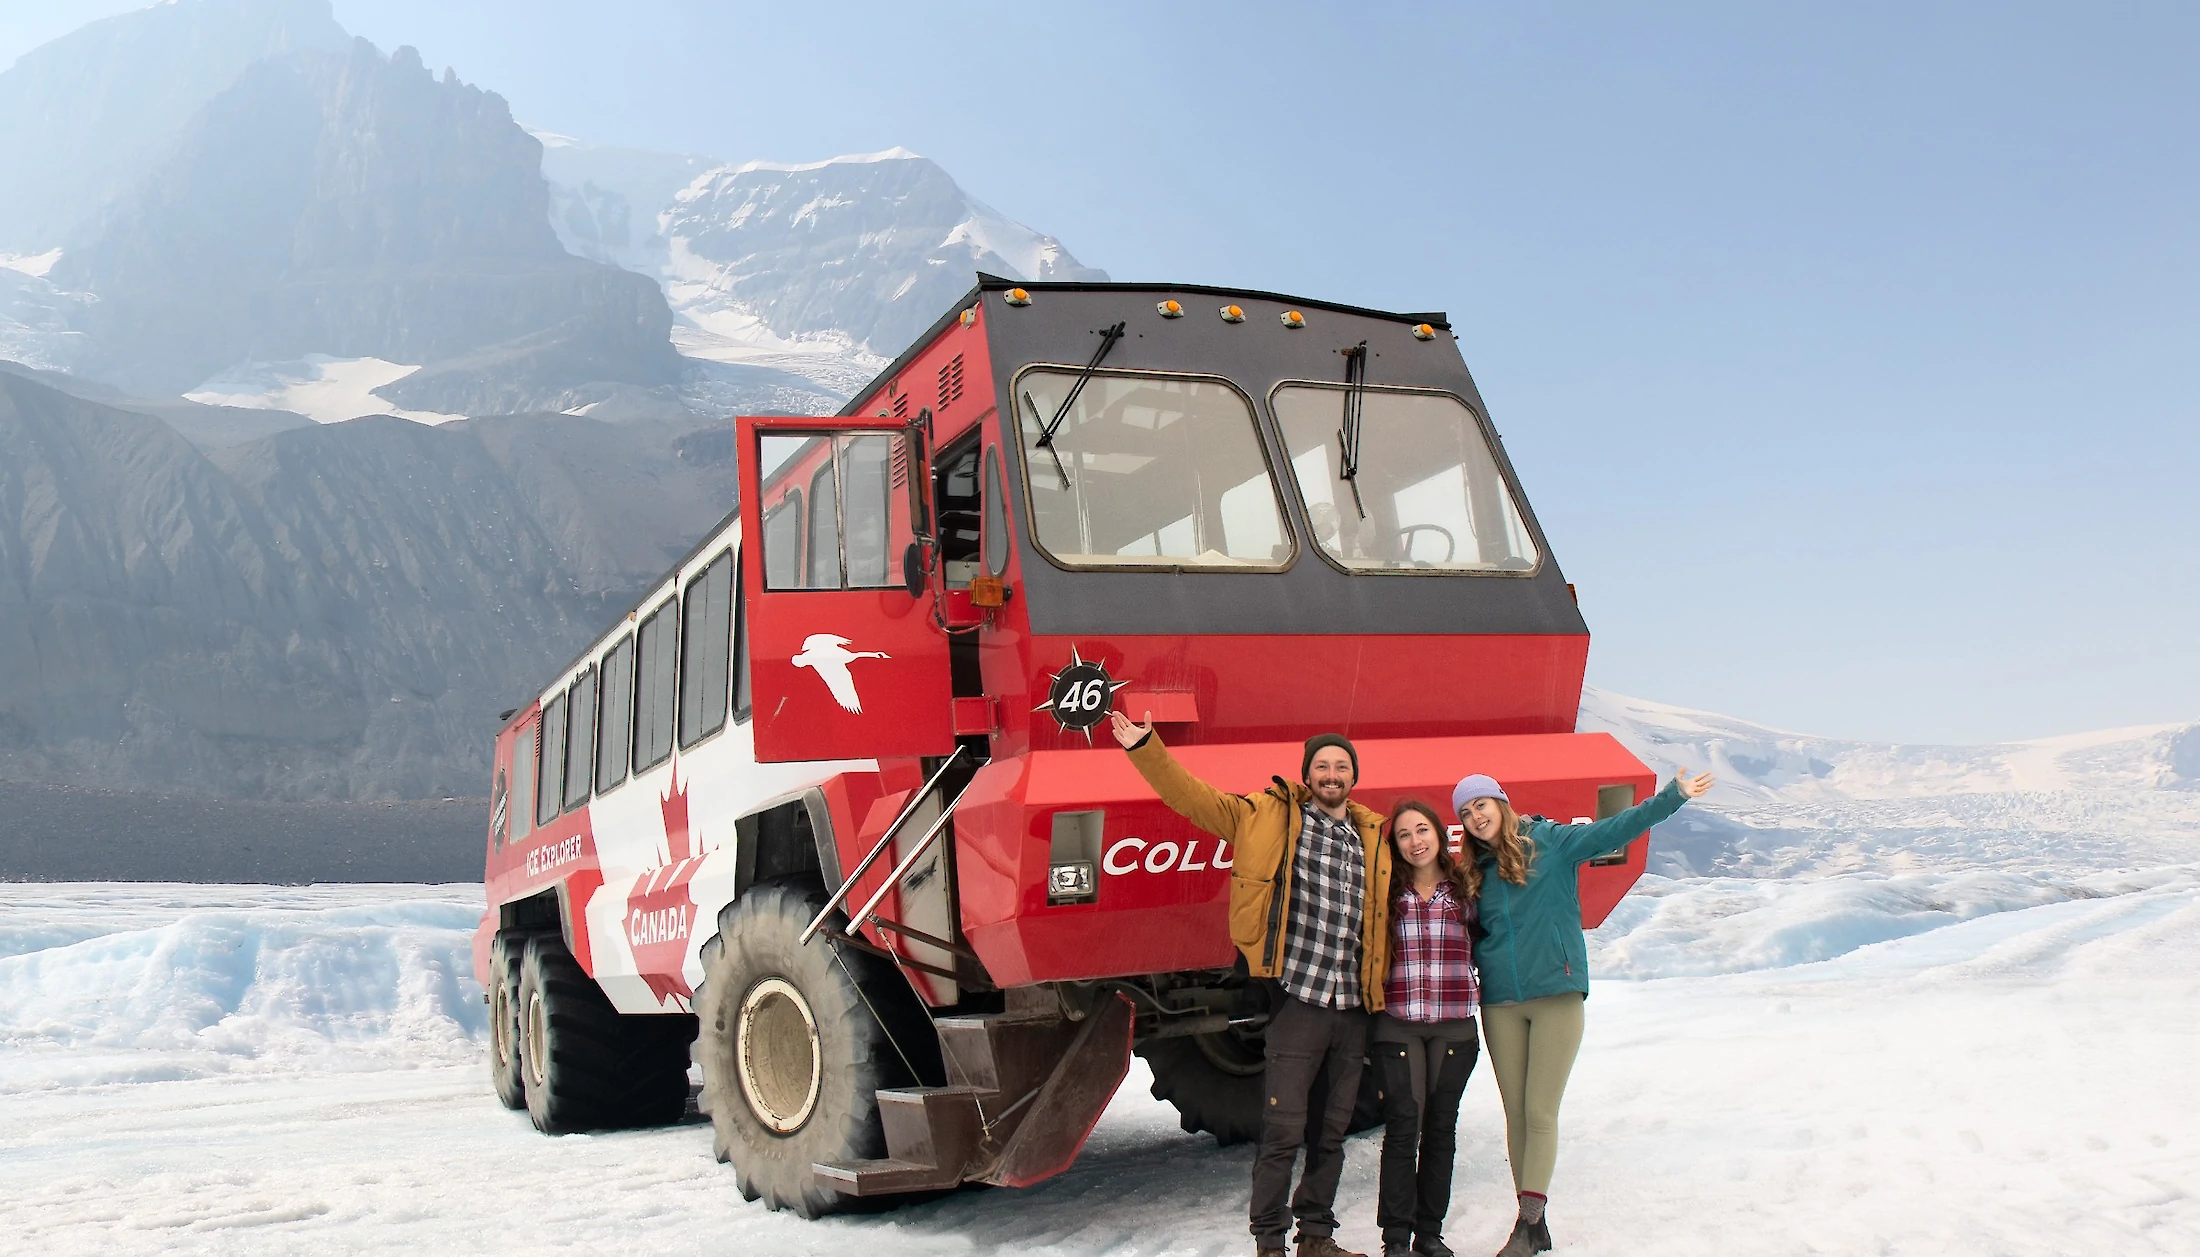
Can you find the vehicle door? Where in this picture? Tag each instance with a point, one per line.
(844, 661)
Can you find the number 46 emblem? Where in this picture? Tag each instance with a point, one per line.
(1081, 695)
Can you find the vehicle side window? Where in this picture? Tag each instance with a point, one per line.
(706, 646)
(866, 513)
(863, 506)
(653, 688)
(996, 513)
(823, 569)
(615, 715)
(741, 703)
(549, 780)
(523, 782)
(783, 543)
(580, 738)
(959, 515)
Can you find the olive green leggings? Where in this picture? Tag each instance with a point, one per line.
(1532, 1047)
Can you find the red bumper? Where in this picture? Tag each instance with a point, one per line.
(1164, 886)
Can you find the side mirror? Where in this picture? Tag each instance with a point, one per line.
(912, 569)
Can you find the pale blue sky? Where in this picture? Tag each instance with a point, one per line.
(1846, 353)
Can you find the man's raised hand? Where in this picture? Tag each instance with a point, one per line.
(1127, 733)
(1692, 787)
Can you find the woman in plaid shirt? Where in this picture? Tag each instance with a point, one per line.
(1423, 1045)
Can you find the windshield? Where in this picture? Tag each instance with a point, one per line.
(1430, 497)
(1148, 471)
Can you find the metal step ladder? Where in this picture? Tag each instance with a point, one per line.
(1024, 1087)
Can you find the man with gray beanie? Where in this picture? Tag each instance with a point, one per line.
(1309, 911)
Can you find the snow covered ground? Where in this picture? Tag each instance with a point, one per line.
(322, 388)
(1955, 1044)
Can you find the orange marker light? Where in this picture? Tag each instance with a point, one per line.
(1017, 297)
(1293, 319)
(970, 316)
(1169, 309)
(1233, 314)
(1422, 331)
(988, 592)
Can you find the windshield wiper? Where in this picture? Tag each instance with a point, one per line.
(1061, 412)
(1348, 436)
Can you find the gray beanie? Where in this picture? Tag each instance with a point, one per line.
(1476, 787)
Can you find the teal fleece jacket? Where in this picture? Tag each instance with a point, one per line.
(1533, 944)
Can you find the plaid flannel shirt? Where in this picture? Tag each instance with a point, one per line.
(1431, 960)
(1321, 925)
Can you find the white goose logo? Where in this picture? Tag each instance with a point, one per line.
(827, 654)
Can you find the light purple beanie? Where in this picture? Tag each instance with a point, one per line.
(1476, 787)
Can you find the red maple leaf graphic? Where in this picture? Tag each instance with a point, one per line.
(678, 846)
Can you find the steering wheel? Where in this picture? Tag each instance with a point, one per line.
(1405, 540)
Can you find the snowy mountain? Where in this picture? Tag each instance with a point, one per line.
(604, 200)
(1794, 804)
(230, 199)
(393, 216)
(828, 269)
(84, 117)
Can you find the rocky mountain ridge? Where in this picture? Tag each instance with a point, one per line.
(249, 593)
(330, 612)
(389, 214)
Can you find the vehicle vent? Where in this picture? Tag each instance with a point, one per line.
(951, 381)
(901, 406)
(901, 464)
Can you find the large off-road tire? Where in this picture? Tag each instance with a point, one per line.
(792, 1054)
(1214, 1080)
(506, 952)
(584, 1066)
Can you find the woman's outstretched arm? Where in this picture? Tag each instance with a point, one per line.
(1576, 843)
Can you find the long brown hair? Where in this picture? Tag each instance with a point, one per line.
(1514, 850)
(1464, 882)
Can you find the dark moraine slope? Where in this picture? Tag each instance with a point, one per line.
(70, 834)
(333, 613)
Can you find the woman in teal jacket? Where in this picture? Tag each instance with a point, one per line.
(1534, 964)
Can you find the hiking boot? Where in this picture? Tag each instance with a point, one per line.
(1432, 1246)
(1542, 1229)
(1528, 1239)
(1398, 1248)
(1264, 1250)
(1324, 1246)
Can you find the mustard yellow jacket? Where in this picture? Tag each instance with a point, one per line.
(1263, 831)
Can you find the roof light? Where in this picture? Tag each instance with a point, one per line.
(1293, 319)
(1017, 297)
(1423, 331)
(970, 316)
(1233, 314)
(1169, 309)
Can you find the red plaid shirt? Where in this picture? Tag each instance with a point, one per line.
(1431, 963)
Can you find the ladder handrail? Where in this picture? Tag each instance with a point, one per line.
(915, 801)
(909, 861)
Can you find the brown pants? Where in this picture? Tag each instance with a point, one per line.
(1314, 1058)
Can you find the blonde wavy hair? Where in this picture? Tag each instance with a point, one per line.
(1513, 849)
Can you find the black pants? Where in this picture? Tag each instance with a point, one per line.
(1421, 1072)
(1314, 1058)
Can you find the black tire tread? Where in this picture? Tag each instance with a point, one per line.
(604, 1070)
(757, 938)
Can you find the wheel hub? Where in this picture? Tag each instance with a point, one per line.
(538, 1052)
(1232, 1053)
(500, 1023)
(776, 1055)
